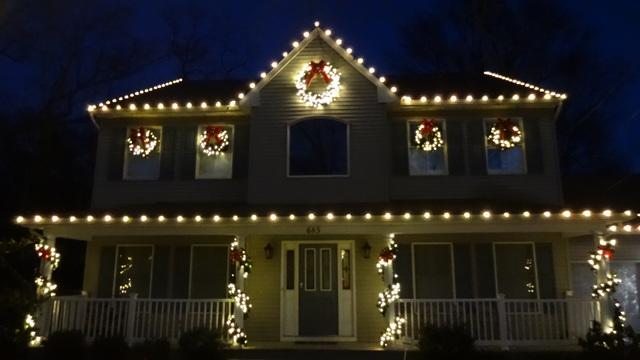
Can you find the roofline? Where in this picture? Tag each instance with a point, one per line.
(527, 85)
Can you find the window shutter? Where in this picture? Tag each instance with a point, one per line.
(167, 156)
(181, 263)
(105, 273)
(476, 147)
(240, 147)
(117, 138)
(533, 144)
(455, 147)
(161, 258)
(399, 148)
(187, 153)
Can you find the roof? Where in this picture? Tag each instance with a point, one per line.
(197, 95)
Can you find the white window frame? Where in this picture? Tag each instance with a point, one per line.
(191, 250)
(488, 146)
(445, 147)
(127, 153)
(306, 284)
(535, 264)
(348, 144)
(413, 266)
(115, 266)
(328, 250)
(199, 153)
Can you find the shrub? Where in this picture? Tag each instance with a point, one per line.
(65, 345)
(201, 343)
(108, 348)
(445, 342)
(155, 349)
(621, 344)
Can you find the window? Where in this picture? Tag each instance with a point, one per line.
(505, 160)
(422, 162)
(133, 270)
(318, 147)
(214, 153)
(516, 272)
(433, 271)
(208, 271)
(138, 167)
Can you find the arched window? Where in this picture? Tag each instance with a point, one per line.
(318, 147)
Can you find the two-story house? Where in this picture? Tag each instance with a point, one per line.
(293, 209)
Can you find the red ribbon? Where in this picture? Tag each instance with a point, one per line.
(214, 132)
(317, 68)
(427, 127)
(138, 136)
(505, 128)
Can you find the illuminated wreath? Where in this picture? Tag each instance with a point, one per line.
(142, 141)
(214, 140)
(428, 135)
(504, 134)
(329, 75)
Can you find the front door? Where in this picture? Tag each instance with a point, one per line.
(318, 290)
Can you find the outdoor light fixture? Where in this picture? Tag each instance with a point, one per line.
(366, 250)
(268, 251)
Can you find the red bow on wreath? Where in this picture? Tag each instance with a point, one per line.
(316, 69)
(386, 254)
(44, 253)
(235, 255)
(138, 135)
(213, 132)
(427, 127)
(506, 128)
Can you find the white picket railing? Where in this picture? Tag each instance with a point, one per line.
(134, 318)
(503, 322)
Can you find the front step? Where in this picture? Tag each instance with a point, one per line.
(320, 354)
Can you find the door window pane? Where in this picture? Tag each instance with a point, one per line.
(423, 162)
(325, 270)
(318, 146)
(504, 161)
(310, 269)
(138, 167)
(290, 270)
(516, 270)
(208, 272)
(214, 153)
(433, 271)
(133, 271)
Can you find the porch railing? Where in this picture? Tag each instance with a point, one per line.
(502, 322)
(134, 318)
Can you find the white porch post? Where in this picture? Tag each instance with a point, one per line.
(389, 275)
(239, 277)
(605, 302)
(46, 271)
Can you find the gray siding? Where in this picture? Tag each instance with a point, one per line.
(177, 183)
(368, 144)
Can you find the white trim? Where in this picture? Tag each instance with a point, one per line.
(535, 263)
(348, 145)
(522, 145)
(115, 266)
(199, 154)
(445, 148)
(191, 263)
(413, 266)
(294, 245)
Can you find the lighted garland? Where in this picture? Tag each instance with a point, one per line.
(607, 287)
(214, 140)
(428, 135)
(142, 141)
(238, 257)
(387, 297)
(390, 294)
(504, 134)
(328, 74)
(48, 253)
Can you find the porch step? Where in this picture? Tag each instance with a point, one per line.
(319, 351)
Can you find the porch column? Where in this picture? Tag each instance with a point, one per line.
(605, 301)
(389, 275)
(47, 267)
(239, 276)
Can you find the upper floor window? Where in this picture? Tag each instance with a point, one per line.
(504, 142)
(214, 153)
(427, 147)
(318, 147)
(142, 153)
